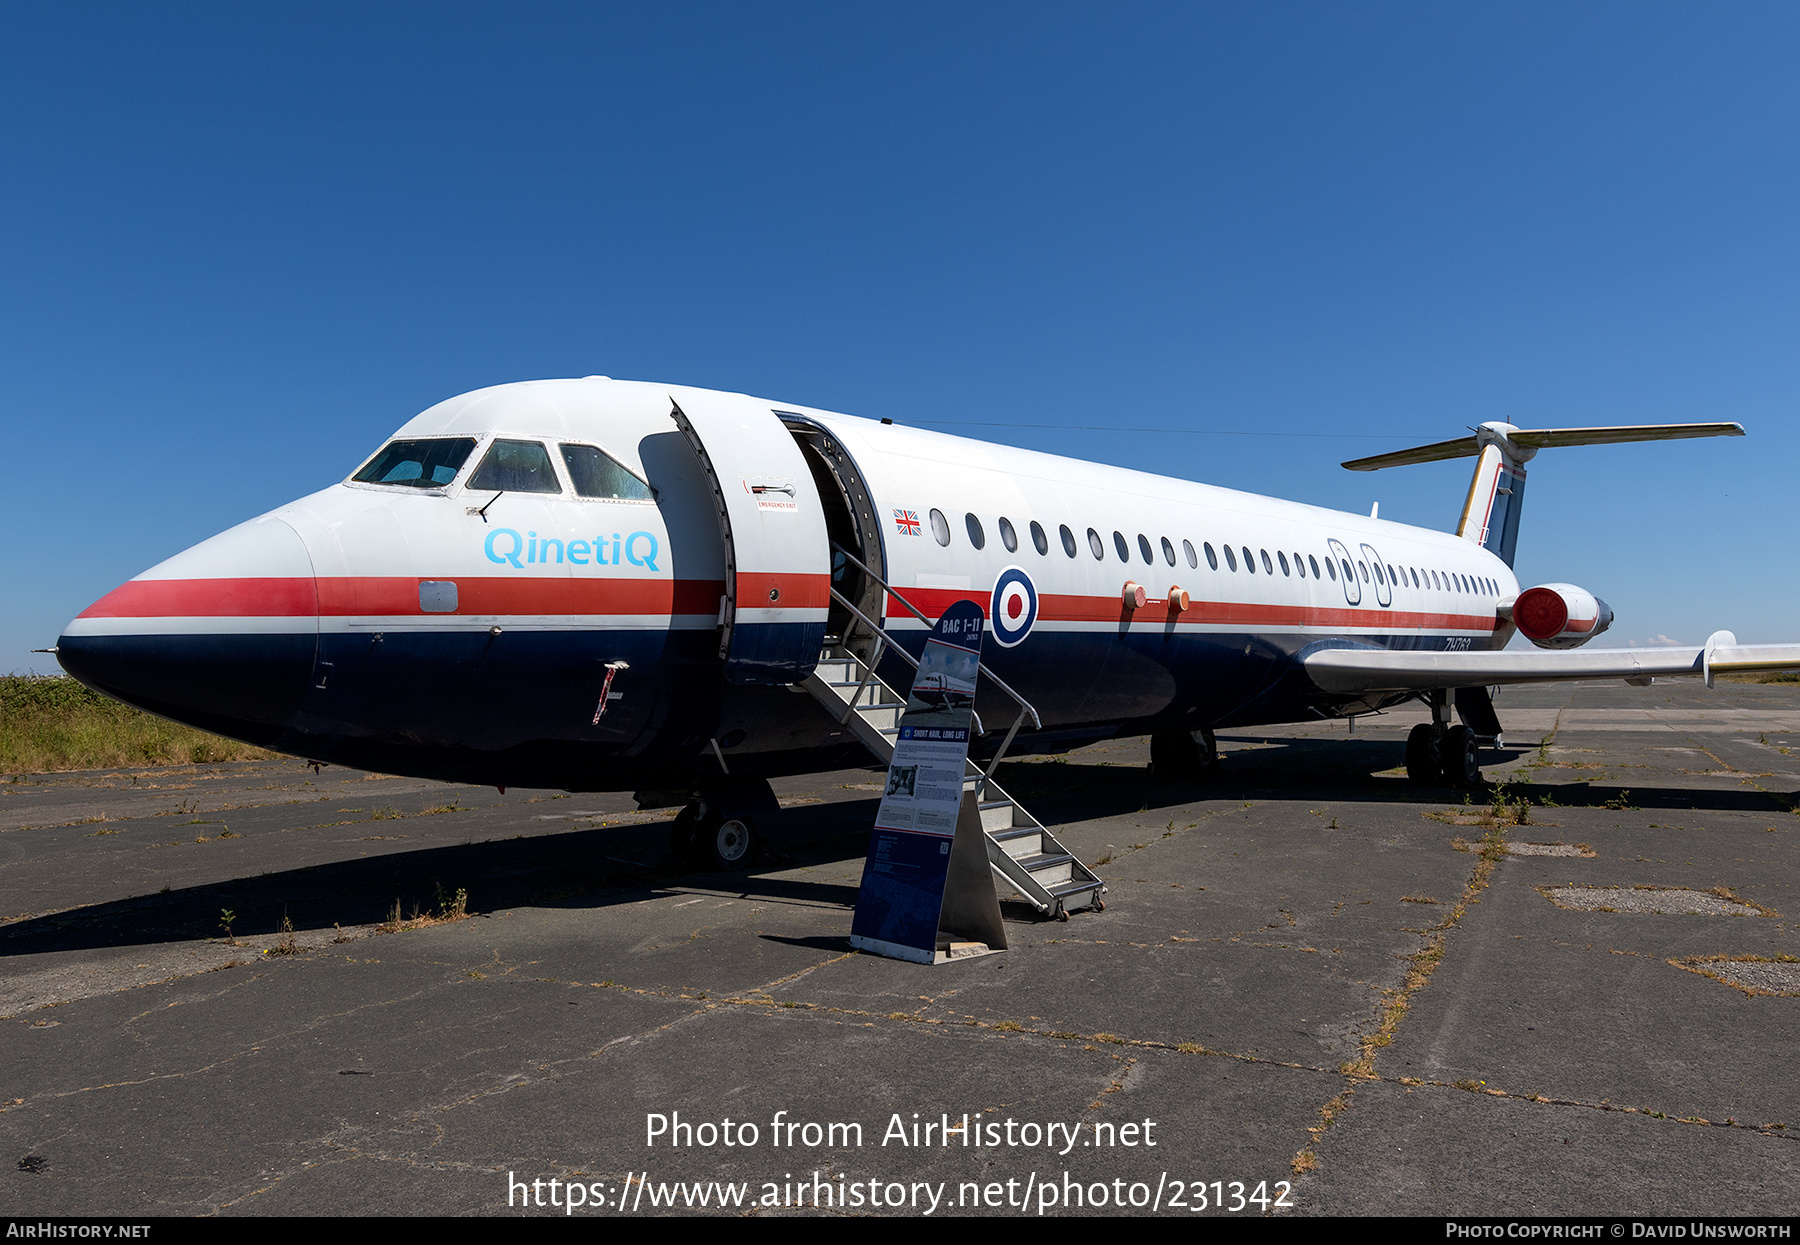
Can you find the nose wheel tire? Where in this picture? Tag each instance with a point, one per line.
(708, 840)
(729, 843)
(681, 835)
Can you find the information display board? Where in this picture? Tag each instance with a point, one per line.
(902, 902)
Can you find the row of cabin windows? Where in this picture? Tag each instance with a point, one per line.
(509, 466)
(1447, 581)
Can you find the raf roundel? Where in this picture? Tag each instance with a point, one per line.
(1013, 608)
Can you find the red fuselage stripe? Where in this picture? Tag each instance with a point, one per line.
(387, 596)
(934, 601)
(390, 596)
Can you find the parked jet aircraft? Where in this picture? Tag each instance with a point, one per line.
(608, 585)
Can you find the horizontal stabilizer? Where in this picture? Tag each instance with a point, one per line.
(1532, 440)
(1354, 671)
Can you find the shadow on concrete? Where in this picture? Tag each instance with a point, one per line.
(582, 868)
(595, 868)
(1343, 771)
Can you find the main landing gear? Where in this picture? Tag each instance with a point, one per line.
(1437, 752)
(1184, 754)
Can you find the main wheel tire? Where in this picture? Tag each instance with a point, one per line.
(681, 836)
(1177, 754)
(1423, 765)
(1462, 767)
(1172, 753)
(727, 843)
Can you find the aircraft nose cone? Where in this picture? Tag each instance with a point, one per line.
(221, 637)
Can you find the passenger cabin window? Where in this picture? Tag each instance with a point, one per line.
(1268, 566)
(1168, 551)
(1187, 549)
(1212, 559)
(1119, 547)
(418, 464)
(1039, 541)
(1314, 563)
(516, 467)
(1008, 536)
(1144, 550)
(597, 474)
(977, 537)
(1249, 560)
(1230, 557)
(1068, 539)
(1282, 558)
(940, 528)
(1095, 546)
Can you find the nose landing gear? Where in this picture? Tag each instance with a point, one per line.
(719, 831)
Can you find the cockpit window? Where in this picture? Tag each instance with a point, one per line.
(418, 464)
(596, 474)
(516, 467)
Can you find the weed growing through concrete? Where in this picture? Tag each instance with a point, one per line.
(451, 907)
(1420, 966)
(287, 945)
(447, 906)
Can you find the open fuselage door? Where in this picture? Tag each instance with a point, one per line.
(777, 552)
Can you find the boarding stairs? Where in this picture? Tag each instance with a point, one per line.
(1021, 851)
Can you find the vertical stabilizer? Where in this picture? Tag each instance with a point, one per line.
(1490, 516)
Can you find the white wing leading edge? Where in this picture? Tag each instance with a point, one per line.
(1359, 670)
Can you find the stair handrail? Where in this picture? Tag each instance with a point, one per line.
(1025, 705)
(882, 642)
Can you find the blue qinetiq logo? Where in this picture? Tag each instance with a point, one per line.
(506, 547)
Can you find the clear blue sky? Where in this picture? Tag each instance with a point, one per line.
(242, 243)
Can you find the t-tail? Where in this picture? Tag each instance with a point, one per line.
(1490, 516)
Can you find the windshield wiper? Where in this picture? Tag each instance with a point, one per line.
(483, 511)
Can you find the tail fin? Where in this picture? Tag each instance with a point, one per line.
(1490, 516)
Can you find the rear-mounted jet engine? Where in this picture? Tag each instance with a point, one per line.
(1559, 615)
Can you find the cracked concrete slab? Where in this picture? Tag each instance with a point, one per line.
(1308, 971)
(1436, 1150)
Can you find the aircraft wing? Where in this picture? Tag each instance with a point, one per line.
(1357, 670)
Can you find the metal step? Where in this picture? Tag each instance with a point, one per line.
(1021, 851)
(1016, 843)
(996, 815)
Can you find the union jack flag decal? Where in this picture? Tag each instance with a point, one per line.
(907, 521)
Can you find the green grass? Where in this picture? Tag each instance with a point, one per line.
(51, 722)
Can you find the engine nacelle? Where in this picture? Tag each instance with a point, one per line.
(1558, 615)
